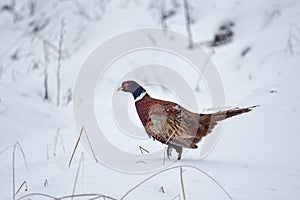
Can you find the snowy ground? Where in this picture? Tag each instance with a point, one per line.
(257, 155)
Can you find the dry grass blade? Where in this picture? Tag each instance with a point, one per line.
(162, 190)
(103, 196)
(47, 152)
(46, 183)
(76, 178)
(141, 161)
(6, 148)
(56, 137)
(17, 145)
(90, 144)
(176, 197)
(76, 145)
(143, 149)
(182, 185)
(82, 130)
(175, 167)
(26, 188)
(94, 196)
(37, 194)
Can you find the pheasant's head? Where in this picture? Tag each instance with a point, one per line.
(129, 86)
(134, 88)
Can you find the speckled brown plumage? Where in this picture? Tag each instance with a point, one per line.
(172, 124)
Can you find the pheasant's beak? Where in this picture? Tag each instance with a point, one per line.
(120, 88)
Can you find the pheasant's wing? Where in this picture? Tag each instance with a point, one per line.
(171, 123)
(208, 122)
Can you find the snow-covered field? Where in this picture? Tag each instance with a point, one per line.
(257, 154)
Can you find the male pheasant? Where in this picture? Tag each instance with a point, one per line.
(170, 123)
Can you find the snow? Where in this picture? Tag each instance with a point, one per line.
(257, 154)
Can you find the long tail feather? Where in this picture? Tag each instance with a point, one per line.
(209, 121)
(236, 111)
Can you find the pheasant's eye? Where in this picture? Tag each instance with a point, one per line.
(125, 85)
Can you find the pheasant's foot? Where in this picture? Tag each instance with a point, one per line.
(179, 151)
(169, 151)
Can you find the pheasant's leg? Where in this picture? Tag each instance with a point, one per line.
(169, 151)
(179, 151)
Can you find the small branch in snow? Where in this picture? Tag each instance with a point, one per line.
(35, 36)
(81, 10)
(163, 17)
(188, 23)
(59, 60)
(46, 58)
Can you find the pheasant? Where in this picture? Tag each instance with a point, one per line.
(172, 124)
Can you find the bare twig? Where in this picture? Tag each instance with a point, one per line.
(163, 14)
(32, 7)
(46, 58)
(59, 60)
(188, 23)
(37, 36)
(13, 9)
(81, 10)
(182, 185)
